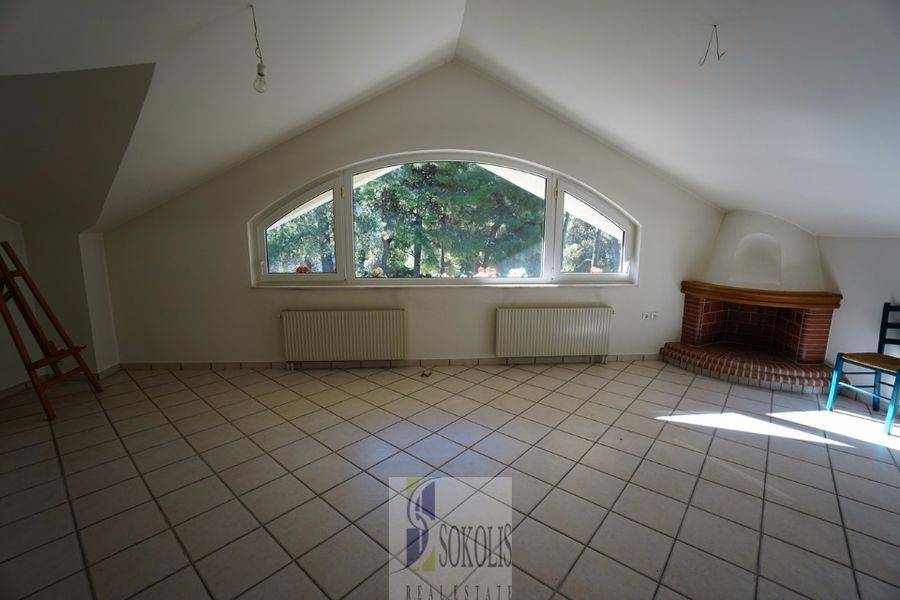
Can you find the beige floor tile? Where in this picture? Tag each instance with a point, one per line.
(653, 510)
(720, 537)
(40, 567)
(135, 568)
(633, 544)
(543, 553)
(213, 529)
(501, 447)
(290, 582)
(31, 532)
(242, 564)
(805, 572)
(357, 496)
(116, 533)
(596, 576)
(183, 584)
(662, 479)
(344, 561)
(569, 514)
(544, 465)
(326, 472)
(807, 532)
(697, 574)
(729, 503)
(193, 499)
(276, 497)
(251, 474)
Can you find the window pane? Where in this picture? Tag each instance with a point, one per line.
(448, 219)
(591, 242)
(302, 241)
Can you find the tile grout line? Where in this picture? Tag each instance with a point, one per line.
(155, 500)
(562, 581)
(688, 505)
(494, 430)
(762, 511)
(237, 497)
(844, 526)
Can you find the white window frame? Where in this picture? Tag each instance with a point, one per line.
(611, 212)
(342, 184)
(278, 211)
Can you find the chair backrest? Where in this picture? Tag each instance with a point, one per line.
(887, 325)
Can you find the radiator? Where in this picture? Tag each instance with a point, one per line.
(553, 331)
(328, 335)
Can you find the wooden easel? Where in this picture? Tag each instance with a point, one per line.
(52, 355)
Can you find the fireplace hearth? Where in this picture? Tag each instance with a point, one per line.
(774, 339)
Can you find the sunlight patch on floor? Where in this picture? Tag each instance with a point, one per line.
(739, 422)
(842, 423)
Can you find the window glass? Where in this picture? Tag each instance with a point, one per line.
(591, 243)
(302, 241)
(448, 219)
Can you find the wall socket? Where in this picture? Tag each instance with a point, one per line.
(649, 316)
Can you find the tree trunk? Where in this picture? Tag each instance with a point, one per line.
(598, 244)
(417, 247)
(385, 250)
(328, 263)
(443, 253)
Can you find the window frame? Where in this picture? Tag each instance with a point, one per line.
(341, 182)
(608, 210)
(282, 208)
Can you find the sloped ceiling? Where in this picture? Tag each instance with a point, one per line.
(62, 136)
(798, 120)
(201, 114)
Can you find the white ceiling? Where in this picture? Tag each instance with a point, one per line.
(201, 114)
(799, 120)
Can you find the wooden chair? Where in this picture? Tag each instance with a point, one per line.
(879, 363)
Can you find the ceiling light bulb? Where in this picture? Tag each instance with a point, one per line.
(260, 84)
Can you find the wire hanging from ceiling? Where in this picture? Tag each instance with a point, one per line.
(259, 83)
(712, 34)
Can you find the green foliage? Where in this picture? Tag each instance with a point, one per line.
(440, 219)
(586, 249)
(446, 219)
(306, 240)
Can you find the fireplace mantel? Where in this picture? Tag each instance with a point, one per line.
(755, 297)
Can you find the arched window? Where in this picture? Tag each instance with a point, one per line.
(444, 219)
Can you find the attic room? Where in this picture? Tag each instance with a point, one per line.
(395, 299)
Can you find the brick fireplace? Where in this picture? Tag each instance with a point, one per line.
(799, 334)
(760, 337)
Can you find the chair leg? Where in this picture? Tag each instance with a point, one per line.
(835, 380)
(892, 409)
(876, 401)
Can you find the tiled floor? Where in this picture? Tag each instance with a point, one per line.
(271, 484)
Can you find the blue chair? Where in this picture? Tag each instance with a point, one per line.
(879, 363)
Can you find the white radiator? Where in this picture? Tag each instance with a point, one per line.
(554, 331)
(328, 335)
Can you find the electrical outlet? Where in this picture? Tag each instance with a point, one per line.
(649, 315)
(654, 315)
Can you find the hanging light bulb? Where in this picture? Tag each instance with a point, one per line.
(259, 83)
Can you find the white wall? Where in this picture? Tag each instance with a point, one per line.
(99, 301)
(179, 275)
(867, 272)
(764, 252)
